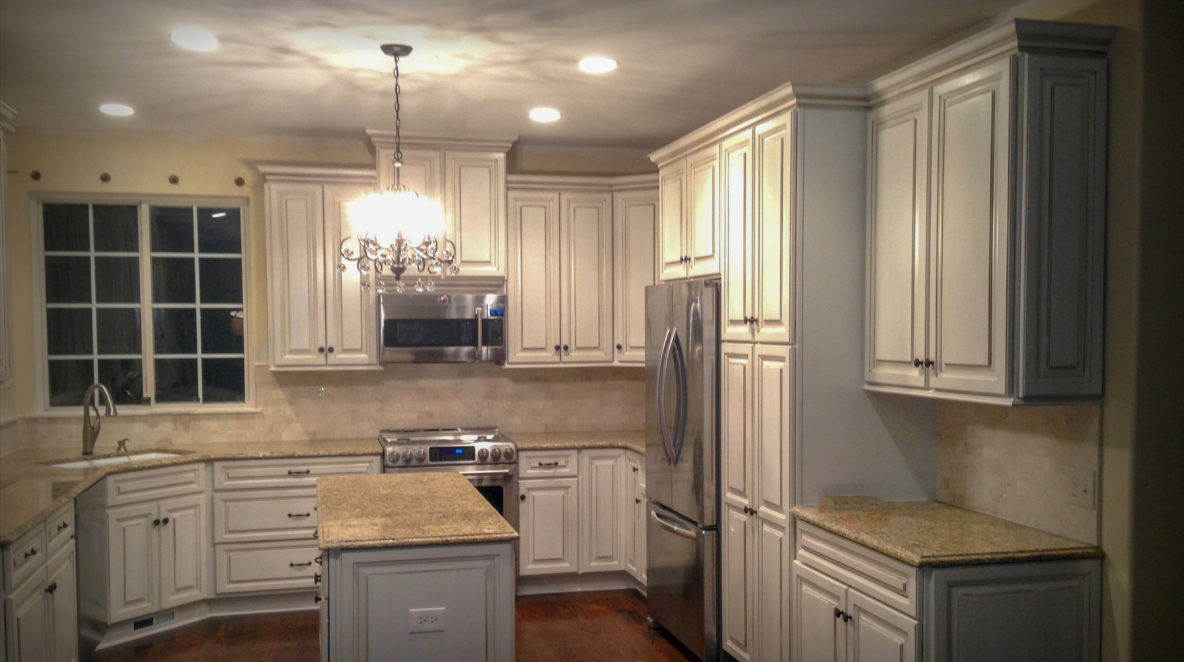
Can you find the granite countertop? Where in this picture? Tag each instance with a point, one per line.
(930, 533)
(633, 440)
(402, 510)
(30, 489)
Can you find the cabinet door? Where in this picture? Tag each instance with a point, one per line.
(736, 408)
(630, 502)
(771, 588)
(548, 523)
(28, 621)
(422, 171)
(736, 565)
(601, 514)
(774, 231)
(350, 319)
(296, 268)
(817, 635)
(134, 561)
(969, 231)
(877, 633)
(184, 550)
(475, 184)
(63, 608)
(737, 294)
(586, 276)
(672, 199)
(635, 219)
(702, 234)
(897, 241)
(772, 429)
(533, 285)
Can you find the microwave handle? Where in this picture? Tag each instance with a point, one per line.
(480, 344)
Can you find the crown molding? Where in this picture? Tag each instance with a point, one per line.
(276, 172)
(376, 138)
(581, 182)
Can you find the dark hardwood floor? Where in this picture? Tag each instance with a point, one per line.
(572, 627)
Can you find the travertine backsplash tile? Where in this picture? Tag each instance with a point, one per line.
(357, 404)
(1018, 463)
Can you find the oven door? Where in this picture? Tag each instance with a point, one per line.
(500, 489)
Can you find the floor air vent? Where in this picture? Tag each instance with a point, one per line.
(151, 621)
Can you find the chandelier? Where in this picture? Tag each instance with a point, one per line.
(398, 228)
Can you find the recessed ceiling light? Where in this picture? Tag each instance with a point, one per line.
(543, 114)
(194, 38)
(597, 65)
(116, 109)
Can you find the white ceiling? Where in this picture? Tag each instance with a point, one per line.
(314, 69)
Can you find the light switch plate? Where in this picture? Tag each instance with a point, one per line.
(1082, 489)
(426, 619)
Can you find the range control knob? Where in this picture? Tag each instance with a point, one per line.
(495, 453)
(392, 457)
(420, 455)
(508, 454)
(407, 455)
(483, 454)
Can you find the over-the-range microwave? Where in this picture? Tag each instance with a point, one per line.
(443, 327)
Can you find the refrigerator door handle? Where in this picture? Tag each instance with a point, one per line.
(672, 526)
(663, 366)
(680, 372)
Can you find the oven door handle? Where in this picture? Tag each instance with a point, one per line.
(493, 472)
(480, 342)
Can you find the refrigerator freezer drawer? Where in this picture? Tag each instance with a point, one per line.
(682, 576)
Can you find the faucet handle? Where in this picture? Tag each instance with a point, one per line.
(122, 445)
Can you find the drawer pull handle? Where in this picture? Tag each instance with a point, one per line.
(63, 526)
(32, 552)
(316, 599)
(299, 472)
(547, 464)
(299, 515)
(305, 564)
(316, 579)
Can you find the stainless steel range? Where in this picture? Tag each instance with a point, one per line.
(488, 458)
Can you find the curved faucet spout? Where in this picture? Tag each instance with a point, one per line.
(90, 429)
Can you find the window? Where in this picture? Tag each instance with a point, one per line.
(145, 298)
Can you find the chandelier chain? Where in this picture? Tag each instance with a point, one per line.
(398, 127)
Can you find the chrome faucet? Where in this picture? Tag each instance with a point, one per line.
(90, 429)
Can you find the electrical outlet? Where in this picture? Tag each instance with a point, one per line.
(428, 619)
(1082, 489)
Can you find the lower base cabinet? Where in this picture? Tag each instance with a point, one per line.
(42, 613)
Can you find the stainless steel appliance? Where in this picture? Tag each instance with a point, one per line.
(682, 461)
(443, 327)
(488, 458)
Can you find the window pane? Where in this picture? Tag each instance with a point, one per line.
(67, 279)
(67, 227)
(174, 330)
(68, 381)
(172, 280)
(221, 331)
(176, 380)
(119, 331)
(172, 229)
(221, 280)
(116, 228)
(223, 380)
(68, 331)
(117, 280)
(218, 230)
(125, 380)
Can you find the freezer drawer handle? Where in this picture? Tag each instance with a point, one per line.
(672, 527)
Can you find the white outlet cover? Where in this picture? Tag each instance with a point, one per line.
(425, 619)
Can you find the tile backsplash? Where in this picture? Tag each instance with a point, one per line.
(340, 405)
(1019, 463)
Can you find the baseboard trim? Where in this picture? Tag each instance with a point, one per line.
(575, 583)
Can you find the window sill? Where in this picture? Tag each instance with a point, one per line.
(158, 410)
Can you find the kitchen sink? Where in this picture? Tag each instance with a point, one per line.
(114, 459)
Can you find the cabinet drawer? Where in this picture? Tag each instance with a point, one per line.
(888, 580)
(288, 472)
(154, 484)
(546, 464)
(270, 566)
(265, 515)
(24, 556)
(59, 528)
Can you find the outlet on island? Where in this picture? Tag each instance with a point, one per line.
(426, 619)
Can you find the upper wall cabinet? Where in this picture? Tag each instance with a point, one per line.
(635, 226)
(690, 242)
(468, 178)
(986, 218)
(6, 115)
(319, 315)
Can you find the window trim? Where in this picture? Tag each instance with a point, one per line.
(142, 202)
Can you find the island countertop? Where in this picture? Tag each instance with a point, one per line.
(402, 510)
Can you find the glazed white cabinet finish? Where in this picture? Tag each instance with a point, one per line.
(534, 286)
(602, 531)
(635, 228)
(549, 526)
(41, 613)
(586, 277)
(869, 631)
(634, 506)
(690, 239)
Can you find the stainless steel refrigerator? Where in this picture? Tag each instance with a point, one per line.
(682, 461)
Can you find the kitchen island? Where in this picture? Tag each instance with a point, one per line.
(416, 566)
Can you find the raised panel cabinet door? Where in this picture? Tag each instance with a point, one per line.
(635, 231)
(351, 322)
(184, 550)
(703, 237)
(134, 561)
(817, 634)
(969, 233)
(672, 209)
(549, 518)
(296, 273)
(736, 582)
(736, 411)
(736, 218)
(630, 500)
(772, 431)
(774, 231)
(586, 275)
(771, 588)
(897, 241)
(422, 171)
(61, 573)
(28, 621)
(601, 513)
(877, 633)
(475, 184)
(533, 287)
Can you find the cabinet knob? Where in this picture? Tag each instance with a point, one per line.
(620, 347)
(929, 363)
(556, 348)
(53, 586)
(330, 349)
(32, 552)
(320, 350)
(63, 526)
(316, 579)
(566, 349)
(156, 522)
(636, 500)
(522, 497)
(164, 521)
(917, 363)
(316, 599)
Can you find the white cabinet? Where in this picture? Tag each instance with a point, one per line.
(6, 115)
(634, 526)
(549, 526)
(755, 404)
(602, 534)
(320, 315)
(40, 610)
(635, 219)
(834, 623)
(985, 236)
(690, 241)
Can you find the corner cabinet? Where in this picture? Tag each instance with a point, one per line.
(320, 315)
(689, 237)
(986, 219)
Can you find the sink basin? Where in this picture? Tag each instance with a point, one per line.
(114, 459)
